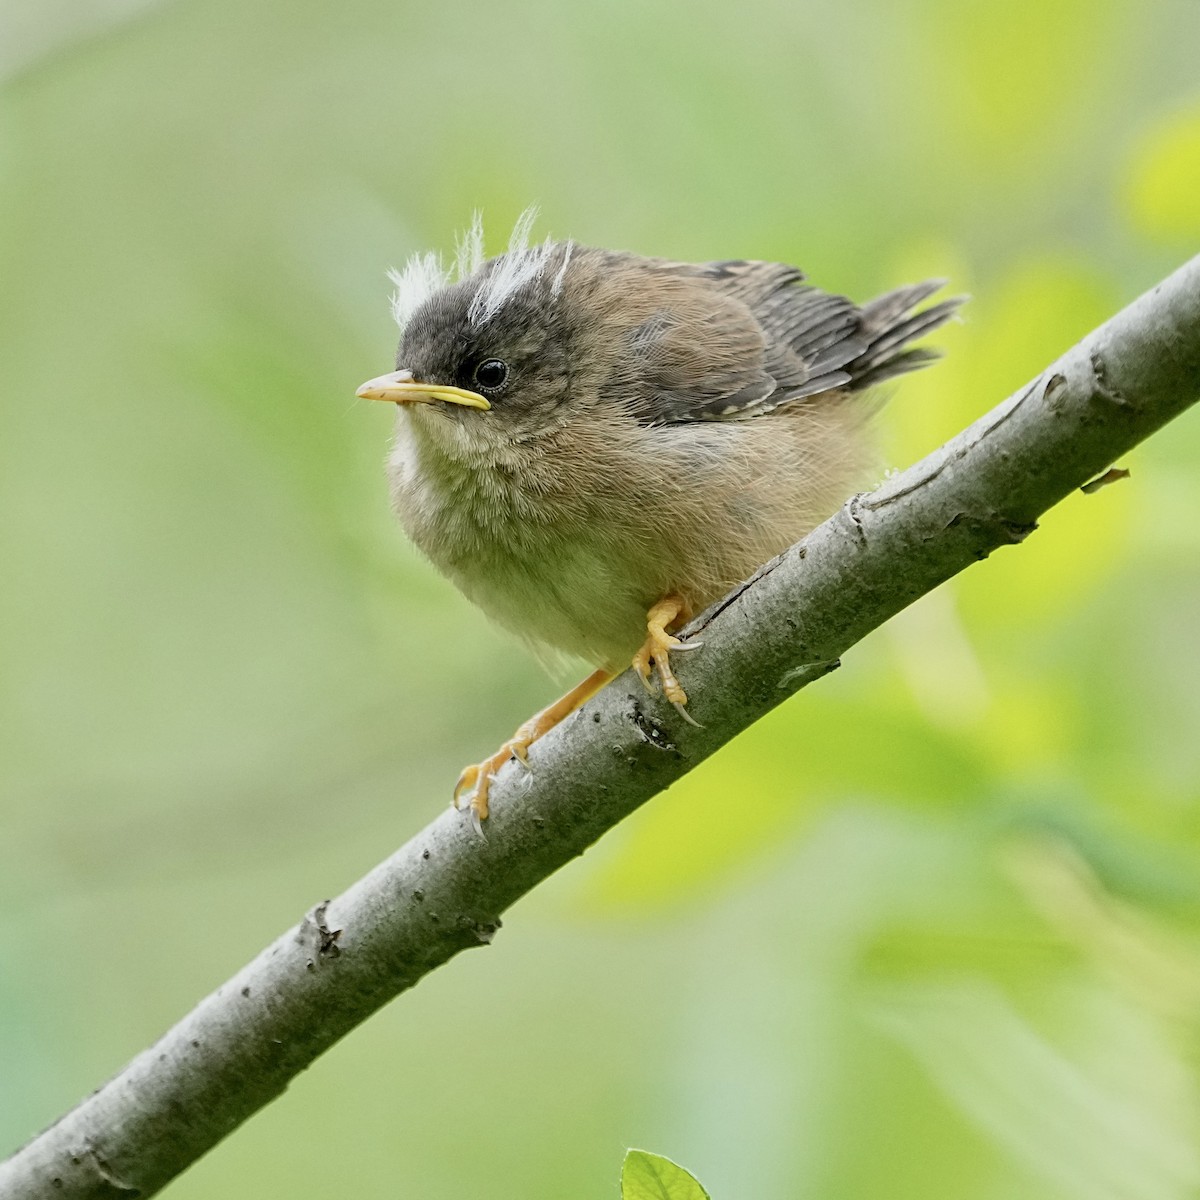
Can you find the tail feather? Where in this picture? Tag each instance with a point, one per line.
(890, 324)
(901, 364)
(885, 310)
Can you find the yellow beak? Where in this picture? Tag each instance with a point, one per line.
(400, 388)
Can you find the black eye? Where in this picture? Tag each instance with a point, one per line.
(491, 374)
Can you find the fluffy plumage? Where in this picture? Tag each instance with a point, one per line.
(663, 427)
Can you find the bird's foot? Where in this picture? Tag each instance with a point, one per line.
(655, 654)
(476, 780)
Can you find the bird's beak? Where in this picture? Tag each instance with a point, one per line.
(400, 388)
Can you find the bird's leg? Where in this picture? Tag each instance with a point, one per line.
(477, 779)
(655, 652)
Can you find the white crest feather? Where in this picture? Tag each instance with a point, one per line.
(422, 276)
(469, 257)
(521, 264)
(566, 258)
(425, 274)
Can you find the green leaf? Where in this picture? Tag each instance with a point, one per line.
(646, 1176)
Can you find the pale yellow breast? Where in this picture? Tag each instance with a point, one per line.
(568, 539)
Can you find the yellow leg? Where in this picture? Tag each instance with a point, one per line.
(477, 779)
(655, 651)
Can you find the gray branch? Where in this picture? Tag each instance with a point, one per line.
(445, 890)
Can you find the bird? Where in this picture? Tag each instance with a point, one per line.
(594, 445)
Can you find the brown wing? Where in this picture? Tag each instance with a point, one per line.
(703, 366)
(685, 350)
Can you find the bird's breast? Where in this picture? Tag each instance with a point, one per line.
(527, 543)
(570, 538)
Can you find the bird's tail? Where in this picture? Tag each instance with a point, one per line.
(889, 324)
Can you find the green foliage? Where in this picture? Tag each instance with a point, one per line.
(932, 928)
(1164, 180)
(646, 1176)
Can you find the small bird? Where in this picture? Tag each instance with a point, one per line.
(593, 446)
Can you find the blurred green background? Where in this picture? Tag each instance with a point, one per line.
(932, 929)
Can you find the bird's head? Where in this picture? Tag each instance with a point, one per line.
(487, 355)
(499, 351)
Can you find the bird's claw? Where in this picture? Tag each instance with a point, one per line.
(687, 716)
(655, 654)
(476, 780)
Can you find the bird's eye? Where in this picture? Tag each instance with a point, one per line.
(491, 374)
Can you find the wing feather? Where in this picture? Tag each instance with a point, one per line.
(738, 339)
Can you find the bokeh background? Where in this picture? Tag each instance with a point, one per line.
(931, 929)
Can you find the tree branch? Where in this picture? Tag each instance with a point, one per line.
(445, 890)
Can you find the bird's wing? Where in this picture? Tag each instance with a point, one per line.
(687, 351)
(768, 340)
